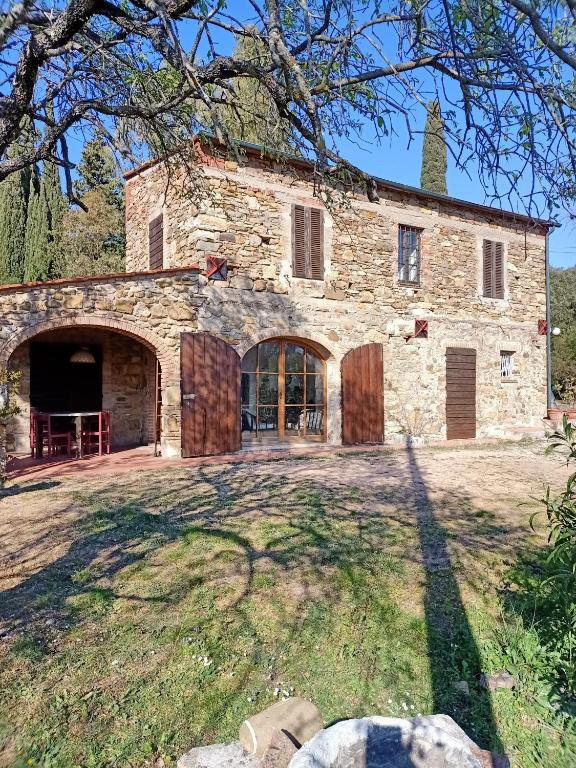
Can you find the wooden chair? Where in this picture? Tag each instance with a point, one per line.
(95, 434)
(43, 437)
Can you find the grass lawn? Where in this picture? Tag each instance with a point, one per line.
(150, 612)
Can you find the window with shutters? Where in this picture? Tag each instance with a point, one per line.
(156, 242)
(409, 247)
(307, 242)
(493, 269)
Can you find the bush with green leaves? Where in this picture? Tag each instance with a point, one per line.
(554, 580)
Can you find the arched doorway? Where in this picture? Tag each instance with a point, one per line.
(283, 392)
(77, 369)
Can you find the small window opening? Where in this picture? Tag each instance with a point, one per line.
(506, 365)
(409, 254)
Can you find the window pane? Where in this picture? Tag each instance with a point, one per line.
(314, 364)
(314, 389)
(294, 419)
(294, 388)
(250, 359)
(268, 389)
(269, 354)
(314, 420)
(267, 420)
(294, 358)
(248, 389)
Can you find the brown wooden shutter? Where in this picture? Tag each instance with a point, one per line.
(299, 241)
(316, 244)
(488, 274)
(363, 395)
(156, 242)
(460, 393)
(210, 380)
(498, 270)
(307, 242)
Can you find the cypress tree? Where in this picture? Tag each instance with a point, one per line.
(97, 171)
(14, 194)
(434, 162)
(43, 255)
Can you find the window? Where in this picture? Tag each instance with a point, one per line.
(307, 242)
(506, 365)
(156, 242)
(409, 254)
(493, 269)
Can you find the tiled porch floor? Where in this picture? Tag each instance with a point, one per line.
(142, 458)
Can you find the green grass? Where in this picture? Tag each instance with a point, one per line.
(188, 600)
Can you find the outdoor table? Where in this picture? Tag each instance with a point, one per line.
(78, 416)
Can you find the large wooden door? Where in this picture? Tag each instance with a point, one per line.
(460, 392)
(363, 395)
(210, 373)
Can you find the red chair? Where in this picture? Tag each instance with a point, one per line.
(42, 437)
(96, 434)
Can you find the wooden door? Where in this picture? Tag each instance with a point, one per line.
(460, 392)
(210, 373)
(363, 395)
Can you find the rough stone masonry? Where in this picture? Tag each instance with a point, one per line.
(241, 211)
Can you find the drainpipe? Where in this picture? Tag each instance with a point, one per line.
(550, 400)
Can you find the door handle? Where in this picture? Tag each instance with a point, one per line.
(188, 397)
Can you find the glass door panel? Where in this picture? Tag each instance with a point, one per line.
(282, 389)
(294, 388)
(294, 358)
(267, 421)
(314, 389)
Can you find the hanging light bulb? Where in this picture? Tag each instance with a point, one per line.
(83, 355)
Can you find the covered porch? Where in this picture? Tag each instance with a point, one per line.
(85, 391)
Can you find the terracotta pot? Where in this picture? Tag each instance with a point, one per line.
(555, 414)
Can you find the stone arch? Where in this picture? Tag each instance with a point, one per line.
(167, 357)
(315, 340)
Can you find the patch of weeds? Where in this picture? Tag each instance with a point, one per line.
(45, 600)
(94, 602)
(83, 576)
(264, 581)
(31, 648)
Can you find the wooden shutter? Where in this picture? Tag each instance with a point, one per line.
(316, 244)
(488, 274)
(363, 395)
(498, 270)
(493, 269)
(156, 242)
(307, 242)
(210, 381)
(460, 393)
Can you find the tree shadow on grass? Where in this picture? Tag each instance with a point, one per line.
(327, 553)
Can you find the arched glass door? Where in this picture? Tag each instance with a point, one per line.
(283, 392)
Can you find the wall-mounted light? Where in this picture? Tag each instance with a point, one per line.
(556, 331)
(83, 355)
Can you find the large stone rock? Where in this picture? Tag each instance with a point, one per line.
(298, 718)
(218, 756)
(390, 742)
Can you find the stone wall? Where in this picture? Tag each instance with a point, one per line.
(152, 309)
(244, 215)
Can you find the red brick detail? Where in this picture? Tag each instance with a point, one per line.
(168, 357)
(152, 273)
(542, 327)
(421, 329)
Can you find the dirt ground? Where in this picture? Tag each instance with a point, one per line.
(500, 481)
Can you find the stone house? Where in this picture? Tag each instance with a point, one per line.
(252, 313)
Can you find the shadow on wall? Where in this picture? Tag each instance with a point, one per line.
(266, 566)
